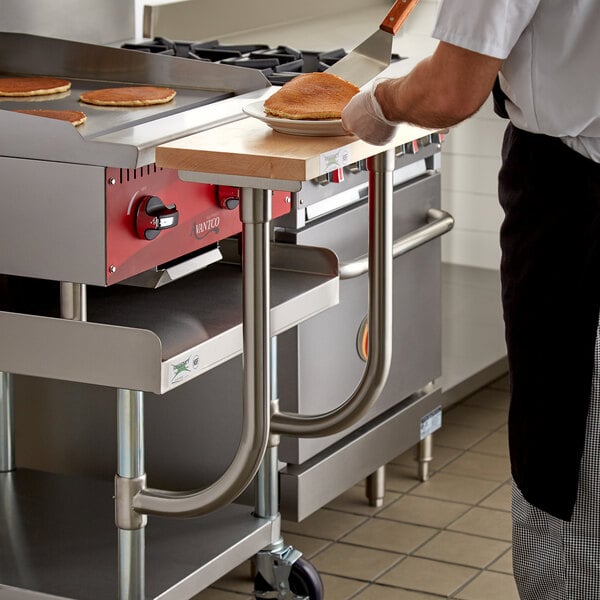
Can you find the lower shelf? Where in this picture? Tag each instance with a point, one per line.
(155, 340)
(59, 541)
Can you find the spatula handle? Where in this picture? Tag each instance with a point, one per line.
(397, 15)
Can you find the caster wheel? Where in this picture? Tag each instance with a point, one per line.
(304, 581)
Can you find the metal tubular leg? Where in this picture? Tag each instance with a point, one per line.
(425, 456)
(266, 504)
(381, 187)
(130, 433)
(130, 439)
(275, 562)
(256, 261)
(256, 216)
(375, 487)
(267, 497)
(73, 301)
(267, 479)
(7, 424)
(132, 574)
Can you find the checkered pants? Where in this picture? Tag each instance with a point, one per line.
(555, 559)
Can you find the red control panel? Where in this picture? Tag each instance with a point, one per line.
(153, 217)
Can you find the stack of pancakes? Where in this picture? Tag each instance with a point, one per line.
(311, 96)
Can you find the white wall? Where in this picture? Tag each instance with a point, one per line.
(103, 22)
(470, 163)
(210, 19)
(471, 160)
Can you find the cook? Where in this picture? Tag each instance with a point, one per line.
(540, 60)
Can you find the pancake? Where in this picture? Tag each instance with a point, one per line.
(32, 86)
(129, 96)
(72, 116)
(311, 96)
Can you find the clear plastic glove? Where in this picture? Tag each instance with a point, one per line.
(363, 117)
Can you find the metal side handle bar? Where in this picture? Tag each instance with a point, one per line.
(380, 316)
(380, 256)
(439, 222)
(256, 215)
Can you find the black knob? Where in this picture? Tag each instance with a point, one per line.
(152, 216)
(230, 203)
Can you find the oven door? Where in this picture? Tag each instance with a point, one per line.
(321, 361)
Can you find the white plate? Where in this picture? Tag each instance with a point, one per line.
(325, 127)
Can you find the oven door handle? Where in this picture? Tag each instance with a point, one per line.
(439, 222)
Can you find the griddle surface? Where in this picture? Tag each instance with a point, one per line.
(106, 119)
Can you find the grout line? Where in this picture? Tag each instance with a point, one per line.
(436, 531)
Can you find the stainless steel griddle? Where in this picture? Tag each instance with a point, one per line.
(120, 137)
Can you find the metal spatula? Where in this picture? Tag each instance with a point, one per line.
(371, 57)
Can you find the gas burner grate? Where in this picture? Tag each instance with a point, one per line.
(279, 64)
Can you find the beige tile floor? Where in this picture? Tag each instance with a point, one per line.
(448, 537)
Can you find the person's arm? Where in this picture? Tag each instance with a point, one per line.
(441, 91)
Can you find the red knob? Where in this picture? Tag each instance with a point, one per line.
(337, 176)
(228, 197)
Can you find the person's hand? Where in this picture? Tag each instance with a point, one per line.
(363, 117)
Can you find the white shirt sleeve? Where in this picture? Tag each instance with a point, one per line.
(490, 27)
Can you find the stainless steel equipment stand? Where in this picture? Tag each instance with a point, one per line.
(133, 500)
(282, 571)
(73, 553)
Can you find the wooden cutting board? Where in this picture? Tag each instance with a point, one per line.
(249, 147)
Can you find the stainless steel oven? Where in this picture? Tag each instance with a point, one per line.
(321, 361)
